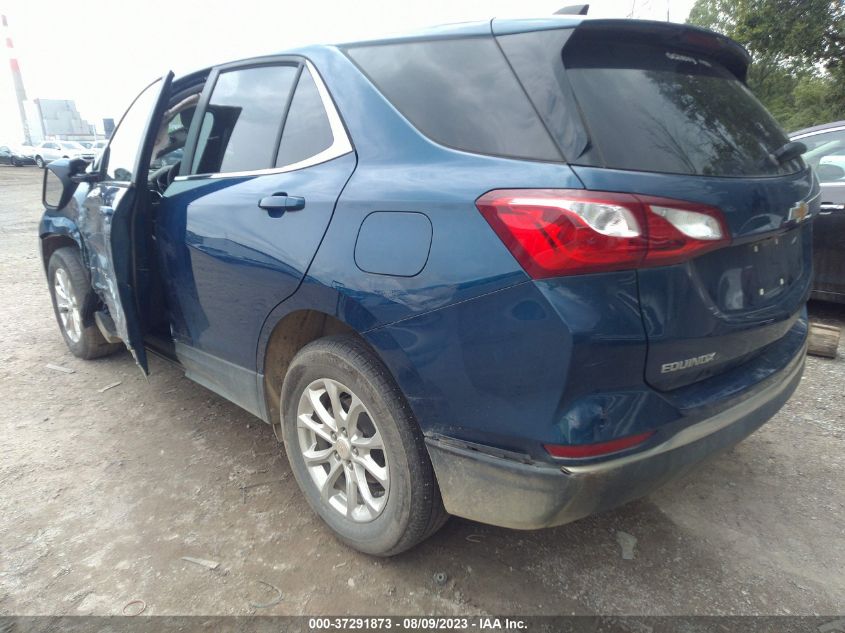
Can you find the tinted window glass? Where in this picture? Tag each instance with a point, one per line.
(129, 135)
(307, 130)
(544, 78)
(826, 154)
(653, 109)
(246, 110)
(460, 93)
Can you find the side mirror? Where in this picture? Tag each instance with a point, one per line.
(59, 183)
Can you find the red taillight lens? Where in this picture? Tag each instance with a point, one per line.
(575, 451)
(566, 232)
(556, 232)
(679, 230)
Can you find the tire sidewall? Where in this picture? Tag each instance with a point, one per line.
(91, 343)
(386, 530)
(58, 261)
(39, 162)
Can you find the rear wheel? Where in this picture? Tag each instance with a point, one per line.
(355, 449)
(74, 302)
(40, 162)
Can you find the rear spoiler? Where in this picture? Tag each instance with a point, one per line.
(693, 39)
(573, 9)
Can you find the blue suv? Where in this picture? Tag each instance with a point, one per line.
(515, 271)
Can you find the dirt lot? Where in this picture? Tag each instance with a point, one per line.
(101, 494)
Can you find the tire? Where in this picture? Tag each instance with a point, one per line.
(39, 162)
(16, 163)
(74, 304)
(397, 516)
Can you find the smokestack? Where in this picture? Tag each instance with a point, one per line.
(20, 92)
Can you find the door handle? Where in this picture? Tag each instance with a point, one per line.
(829, 207)
(281, 202)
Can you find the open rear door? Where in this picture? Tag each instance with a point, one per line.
(111, 226)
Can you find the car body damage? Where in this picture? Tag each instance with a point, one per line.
(567, 257)
(107, 248)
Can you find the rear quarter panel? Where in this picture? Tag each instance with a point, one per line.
(479, 350)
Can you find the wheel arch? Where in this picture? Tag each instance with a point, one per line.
(302, 326)
(51, 242)
(289, 335)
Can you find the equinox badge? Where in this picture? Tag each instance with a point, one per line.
(687, 363)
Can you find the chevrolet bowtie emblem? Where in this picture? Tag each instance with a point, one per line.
(799, 212)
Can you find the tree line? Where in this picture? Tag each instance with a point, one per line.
(798, 53)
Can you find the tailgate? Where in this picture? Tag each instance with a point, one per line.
(663, 110)
(670, 115)
(711, 313)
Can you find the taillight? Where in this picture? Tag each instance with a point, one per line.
(678, 230)
(556, 232)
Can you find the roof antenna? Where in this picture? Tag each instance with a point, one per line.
(573, 9)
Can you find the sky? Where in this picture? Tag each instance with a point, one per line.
(101, 53)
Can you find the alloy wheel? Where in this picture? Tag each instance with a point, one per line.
(343, 450)
(67, 306)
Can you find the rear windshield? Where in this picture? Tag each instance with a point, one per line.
(650, 108)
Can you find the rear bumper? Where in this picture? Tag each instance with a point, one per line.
(495, 487)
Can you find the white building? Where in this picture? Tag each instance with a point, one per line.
(61, 120)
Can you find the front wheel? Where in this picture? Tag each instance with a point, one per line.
(40, 162)
(356, 450)
(74, 302)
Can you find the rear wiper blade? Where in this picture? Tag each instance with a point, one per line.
(787, 152)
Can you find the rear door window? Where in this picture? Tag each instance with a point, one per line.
(241, 126)
(651, 108)
(460, 93)
(307, 130)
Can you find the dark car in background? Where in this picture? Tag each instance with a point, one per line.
(826, 154)
(13, 156)
(520, 271)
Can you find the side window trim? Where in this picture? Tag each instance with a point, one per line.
(341, 143)
(196, 124)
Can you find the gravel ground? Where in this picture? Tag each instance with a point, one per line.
(102, 494)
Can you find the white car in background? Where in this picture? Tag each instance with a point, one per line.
(98, 146)
(48, 151)
(27, 151)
